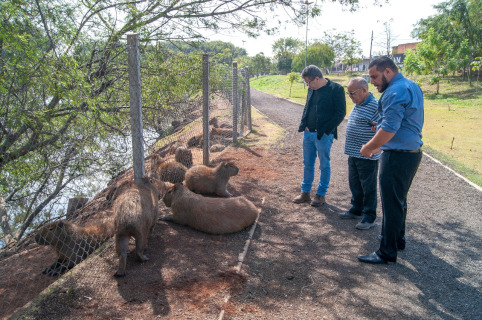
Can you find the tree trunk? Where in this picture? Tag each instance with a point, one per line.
(7, 232)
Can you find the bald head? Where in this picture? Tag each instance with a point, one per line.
(358, 90)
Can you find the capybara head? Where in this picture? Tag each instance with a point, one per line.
(229, 168)
(50, 233)
(159, 185)
(184, 156)
(214, 122)
(170, 194)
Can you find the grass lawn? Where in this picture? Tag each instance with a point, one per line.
(452, 130)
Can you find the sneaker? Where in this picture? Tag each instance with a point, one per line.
(317, 201)
(303, 197)
(364, 225)
(349, 215)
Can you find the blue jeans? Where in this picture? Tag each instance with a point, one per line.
(312, 147)
(397, 170)
(362, 178)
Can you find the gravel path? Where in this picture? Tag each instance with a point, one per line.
(302, 263)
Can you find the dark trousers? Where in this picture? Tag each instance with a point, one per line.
(397, 170)
(362, 178)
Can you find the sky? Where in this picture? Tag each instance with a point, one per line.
(404, 14)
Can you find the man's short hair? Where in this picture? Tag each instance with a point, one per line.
(311, 72)
(361, 82)
(383, 62)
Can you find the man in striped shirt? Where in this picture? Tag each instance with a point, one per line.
(362, 171)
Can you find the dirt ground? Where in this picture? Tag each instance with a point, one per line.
(301, 262)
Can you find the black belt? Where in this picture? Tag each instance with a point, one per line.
(409, 151)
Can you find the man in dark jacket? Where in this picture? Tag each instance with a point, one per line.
(324, 110)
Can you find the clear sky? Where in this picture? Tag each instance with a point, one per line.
(368, 18)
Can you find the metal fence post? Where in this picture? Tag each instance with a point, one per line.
(135, 105)
(205, 109)
(248, 100)
(235, 101)
(243, 104)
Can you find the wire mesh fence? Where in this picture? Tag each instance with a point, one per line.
(188, 115)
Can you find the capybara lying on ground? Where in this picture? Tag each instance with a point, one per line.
(135, 213)
(72, 243)
(170, 170)
(211, 215)
(205, 180)
(221, 133)
(216, 123)
(196, 141)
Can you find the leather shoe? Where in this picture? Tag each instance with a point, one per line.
(372, 258)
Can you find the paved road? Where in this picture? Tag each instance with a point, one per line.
(311, 254)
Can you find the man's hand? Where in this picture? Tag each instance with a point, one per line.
(368, 153)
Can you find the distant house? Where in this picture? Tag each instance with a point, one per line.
(398, 52)
(362, 66)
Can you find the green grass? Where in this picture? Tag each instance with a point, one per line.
(452, 130)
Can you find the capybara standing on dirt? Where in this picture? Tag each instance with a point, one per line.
(170, 170)
(205, 180)
(135, 213)
(211, 215)
(72, 243)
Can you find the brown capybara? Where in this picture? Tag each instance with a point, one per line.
(216, 123)
(184, 156)
(72, 242)
(221, 133)
(211, 215)
(170, 170)
(196, 141)
(205, 180)
(135, 213)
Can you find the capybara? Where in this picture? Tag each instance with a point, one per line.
(72, 242)
(221, 133)
(135, 213)
(205, 180)
(211, 215)
(216, 123)
(170, 170)
(184, 156)
(196, 141)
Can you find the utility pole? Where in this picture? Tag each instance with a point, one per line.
(306, 39)
(371, 43)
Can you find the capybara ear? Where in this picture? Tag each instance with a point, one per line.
(156, 160)
(60, 224)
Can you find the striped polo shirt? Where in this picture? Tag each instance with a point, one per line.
(358, 131)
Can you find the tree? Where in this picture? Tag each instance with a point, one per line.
(346, 49)
(292, 77)
(458, 24)
(319, 54)
(259, 64)
(63, 86)
(353, 53)
(388, 36)
(285, 49)
(411, 63)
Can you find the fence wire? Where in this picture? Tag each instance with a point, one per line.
(66, 227)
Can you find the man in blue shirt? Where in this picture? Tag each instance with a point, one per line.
(399, 136)
(362, 171)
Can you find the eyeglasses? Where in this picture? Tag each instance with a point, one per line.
(308, 83)
(350, 93)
